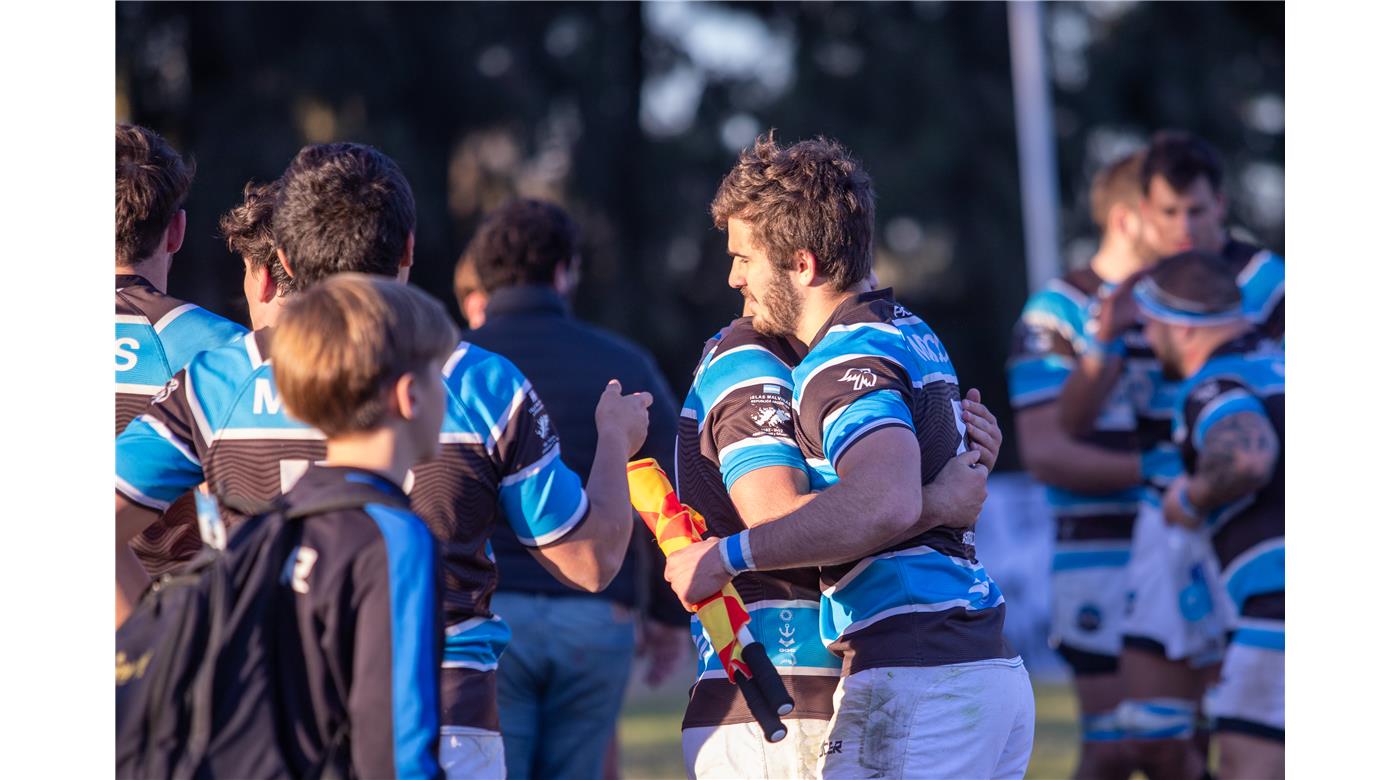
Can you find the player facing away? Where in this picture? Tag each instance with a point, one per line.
(156, 333)
(360, 358)
(1228, 422)
(1172, 631)
(347, 207)
(1093, 479)
(928, 683)
(738, 464)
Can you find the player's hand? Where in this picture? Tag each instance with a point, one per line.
(1172, 510)
(982, 428)
(1118, 310)
(660, 647)
(624, 415)
(696, 572)
(954, 498)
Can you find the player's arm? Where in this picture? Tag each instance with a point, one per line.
(132, 579)
(394, 689)
(1101, 364)
(1055, 458)
(590, 555)
(877, 499)
(1238, 454)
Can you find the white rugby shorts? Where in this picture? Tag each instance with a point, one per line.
(1172, 590)
(740, 750)
(469, 753)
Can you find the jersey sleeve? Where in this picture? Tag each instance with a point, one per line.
(746, 398)
(854, 396)
(1261, 287)
(160, 452)
(542, 499)
(1213, 401)
(189, 330)
(393, 707)
(1045, 345)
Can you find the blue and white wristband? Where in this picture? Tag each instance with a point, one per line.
(735, 553)
(1186, 505)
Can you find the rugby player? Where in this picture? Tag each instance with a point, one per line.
(928, 683)
(1093, 479)
(347, 207)
(1228, 422)
(156, 333)
(1172, 631)
(738, 464)
(247, 230)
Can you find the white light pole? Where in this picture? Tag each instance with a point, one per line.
(1035, 143)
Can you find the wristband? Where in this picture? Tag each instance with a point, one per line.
(1105, 349)
(735, 554)
(1186, 505)
(1160, 465)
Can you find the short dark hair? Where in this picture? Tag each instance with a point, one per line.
(342, 207)
(1197, 281)
(1181, 158)
(811, 195)
(247, 229)
(1114, 184)
(521, 242)
(152, 182)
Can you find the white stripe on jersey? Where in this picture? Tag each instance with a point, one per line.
(755, 441)
(124, 387)
(165, 433)
(451, 364)
(532, 469)
(132, 319)
(836, 361)
(458, 437)
(197, 410)
(254, 354)
(126, 489)
(498, 428)
(172, 315)
(942, 606)
(286, 434)
(908, 551)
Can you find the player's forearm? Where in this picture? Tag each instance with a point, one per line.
(608, 530)
(843, 523)
(1238, 458)
(1058, 460)
(1083, 395)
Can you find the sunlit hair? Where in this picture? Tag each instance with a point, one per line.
(342, 207)
(1181, 158)
(811, 195)
(521, 242)
(1195, 283)
(341, 343)
(247, 229)
(1117, 183)
(152, 182)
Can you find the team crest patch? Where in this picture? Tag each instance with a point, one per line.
(860, 378)
(1089, 618)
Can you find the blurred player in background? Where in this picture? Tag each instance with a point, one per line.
(1094, 478)
(1228, 421)
(156, 334)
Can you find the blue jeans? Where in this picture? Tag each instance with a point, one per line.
(561, 681)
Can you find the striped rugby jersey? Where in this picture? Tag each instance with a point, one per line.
(1052, 335)
(222, 419)
(924, 601)
(1259, 273)
(156, 335)
(737, 418)
(1243, 376)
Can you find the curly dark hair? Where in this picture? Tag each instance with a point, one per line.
(342, 207)
(247, 229)
(811, 195)
(521, 242)
(152, 182)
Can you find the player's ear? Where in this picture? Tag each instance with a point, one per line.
(406, 261)
(404, 396)
(262, 279)
(806, 268)
(286, 266)
(175, 232)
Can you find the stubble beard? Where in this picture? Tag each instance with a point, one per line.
(783, 307)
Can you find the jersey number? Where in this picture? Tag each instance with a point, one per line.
(298, 568)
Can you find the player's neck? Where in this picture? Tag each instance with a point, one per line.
(155, 270)
(1212, 339)
(381, 450)
(818, 308)
(1116, 261)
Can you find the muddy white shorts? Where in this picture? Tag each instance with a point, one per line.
(739, 750)
(1249, 697)
(972, 720)
(468, 753)
(1088, 582)
(1170, 580)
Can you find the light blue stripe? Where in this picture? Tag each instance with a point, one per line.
(866, 410)
(1259, 637)
(865, 341)
(543, 502)
(220, 378)
(152, 465)
(1069, 560)
(194, 331)
(139, 341)
(482, 644)
(1259, 288)
(481, 387)
(1263, 573)
(1035, 378)
(737, 367)
(1239, 404)
(413, 602)
(1056, 305)
(790, 636)
(739, 462)
(1061, 499)
(905, 580)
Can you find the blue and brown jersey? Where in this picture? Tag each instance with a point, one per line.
(1259, 274)
(156, 335)
(1051, 337)
(221, 419)
(1245, 376)
(737, 418)
(925, 600)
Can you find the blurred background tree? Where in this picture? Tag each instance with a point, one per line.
(630, 114)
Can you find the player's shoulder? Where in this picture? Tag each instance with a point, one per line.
(741, 355)
(479, 377)
(1064, 301)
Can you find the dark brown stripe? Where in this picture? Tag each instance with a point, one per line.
(1095, 527)
(719, 703)
(469, 699)
(953, 636)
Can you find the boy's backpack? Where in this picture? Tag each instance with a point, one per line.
(195, 663)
